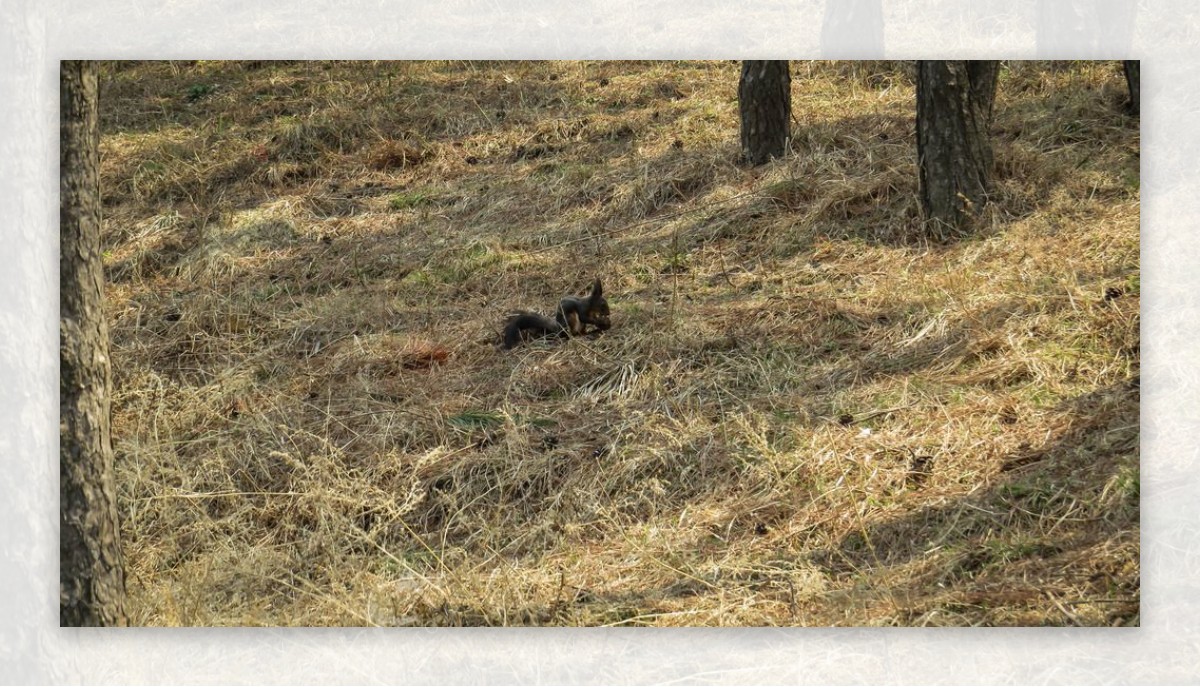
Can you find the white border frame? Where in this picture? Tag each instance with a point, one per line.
(34, 36)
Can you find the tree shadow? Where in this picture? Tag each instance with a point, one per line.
(1047, 505)
(582, 149)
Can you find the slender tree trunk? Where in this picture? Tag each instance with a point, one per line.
(765, 101)
(91, 566)
(954, 150)
(1133, 77)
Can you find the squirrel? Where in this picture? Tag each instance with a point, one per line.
(571, 319)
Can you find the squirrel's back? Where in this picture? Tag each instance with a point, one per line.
(532, 323)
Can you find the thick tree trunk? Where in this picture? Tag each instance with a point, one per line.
(954, 150)
(1133, 77)
(983, 76)
(91, 566)
(765, 101)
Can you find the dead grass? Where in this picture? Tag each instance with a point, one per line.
(806, 413)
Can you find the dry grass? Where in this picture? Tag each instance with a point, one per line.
(805, 413)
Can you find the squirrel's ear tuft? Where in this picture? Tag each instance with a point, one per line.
(596, 288)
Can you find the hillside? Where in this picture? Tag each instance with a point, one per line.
(806, 412)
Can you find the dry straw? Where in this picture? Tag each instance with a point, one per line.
(805, 414)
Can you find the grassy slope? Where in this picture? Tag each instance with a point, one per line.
(803, 415)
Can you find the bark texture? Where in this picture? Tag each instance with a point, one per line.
(91, 565)
(1133, 77)
(954, 149)
(765, 102)
(983, 76)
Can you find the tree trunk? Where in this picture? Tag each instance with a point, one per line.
(91, 566)
(983, 76)
(765, 101)
(954, 150)
(1133, 77)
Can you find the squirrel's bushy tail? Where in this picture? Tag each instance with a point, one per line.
(531, 322)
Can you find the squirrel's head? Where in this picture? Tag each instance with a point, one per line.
(597, 311)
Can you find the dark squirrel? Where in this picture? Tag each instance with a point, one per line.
(573, 316)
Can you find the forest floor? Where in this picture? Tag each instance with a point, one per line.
(810, 409)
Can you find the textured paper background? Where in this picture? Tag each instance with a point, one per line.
(35, 35)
